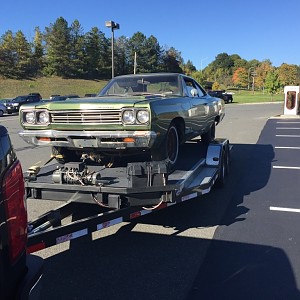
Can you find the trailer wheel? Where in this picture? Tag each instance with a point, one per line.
(227, 159)
(63, 155)
(170, 147)
(223, 168)
(210, 135)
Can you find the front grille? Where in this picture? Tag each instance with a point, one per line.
(86, 116)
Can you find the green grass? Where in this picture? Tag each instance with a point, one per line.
(49, 86)
(256, 97)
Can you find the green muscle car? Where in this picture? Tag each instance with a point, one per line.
(145, 113)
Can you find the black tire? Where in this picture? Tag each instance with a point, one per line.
(222, 170)
(63, 155)
(1, 113)
(210, 135)
(169, 149)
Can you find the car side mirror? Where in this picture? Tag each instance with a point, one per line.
(194, 92)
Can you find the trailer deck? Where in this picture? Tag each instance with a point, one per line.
(120, 193)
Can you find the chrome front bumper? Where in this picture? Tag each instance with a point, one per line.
(90, 139)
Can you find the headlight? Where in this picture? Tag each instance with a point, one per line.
(128, 117)
(16, 104)
(30, 117)
(143, 116)
(43, 117)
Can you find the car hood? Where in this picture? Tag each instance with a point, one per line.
(95, 103)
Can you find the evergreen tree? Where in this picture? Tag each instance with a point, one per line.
(77, 52)
(8, 56)
(172, 60)
(138, 44)
(38, 53)
(24, 56)
(123, 59)
(96, 59)
(58, 49)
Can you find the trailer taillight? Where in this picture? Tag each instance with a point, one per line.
(13, 190)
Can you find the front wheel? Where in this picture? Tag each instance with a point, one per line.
(170, 147)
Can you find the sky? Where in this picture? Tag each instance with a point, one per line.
(199, 30)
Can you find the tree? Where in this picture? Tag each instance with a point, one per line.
(261, 73)
(124, 60)
(8, 55)
(138, 44)
(97, 55)
(58, 49)
(172, 60)
(38, 53)
(24, 56)
(77, 50)
(188, 68)
(240, 77)
(288, 75)
(272, 83)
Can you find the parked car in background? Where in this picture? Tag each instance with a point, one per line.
(5, 100)
(17, 102)
(134, 114)
(222, 94)
(36, 94)
(3, 109)
(53, 96)
(19, 272)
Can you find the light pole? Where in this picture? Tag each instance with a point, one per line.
(113, 26)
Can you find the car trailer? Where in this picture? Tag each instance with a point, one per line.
(119, 194)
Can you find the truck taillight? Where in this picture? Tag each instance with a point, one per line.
(13, 189)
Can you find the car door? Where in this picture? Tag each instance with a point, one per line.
(198, 114)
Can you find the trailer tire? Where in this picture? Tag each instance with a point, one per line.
(223, 168)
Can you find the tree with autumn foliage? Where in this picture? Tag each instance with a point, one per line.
(287, 75)
(262, 71)
(240, 77)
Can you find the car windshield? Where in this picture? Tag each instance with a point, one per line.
(162, 85)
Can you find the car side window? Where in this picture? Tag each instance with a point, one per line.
(190, 84)
(200, 90)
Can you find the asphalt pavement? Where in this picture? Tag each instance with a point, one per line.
(255, 250)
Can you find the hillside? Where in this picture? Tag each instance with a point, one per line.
(10, 88)
(49, 86)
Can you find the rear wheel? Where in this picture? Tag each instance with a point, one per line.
(1, 113)
(210, 135)
(63, 155)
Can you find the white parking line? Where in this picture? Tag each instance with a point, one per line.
(285, 167)
(285, 128)
(287, 135)
(293, 148)
(296, 210)
(288, 122)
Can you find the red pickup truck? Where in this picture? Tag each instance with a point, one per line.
(20, 272)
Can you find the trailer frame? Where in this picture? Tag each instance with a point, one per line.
(138, 189)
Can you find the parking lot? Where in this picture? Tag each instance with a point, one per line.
(240, 242)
